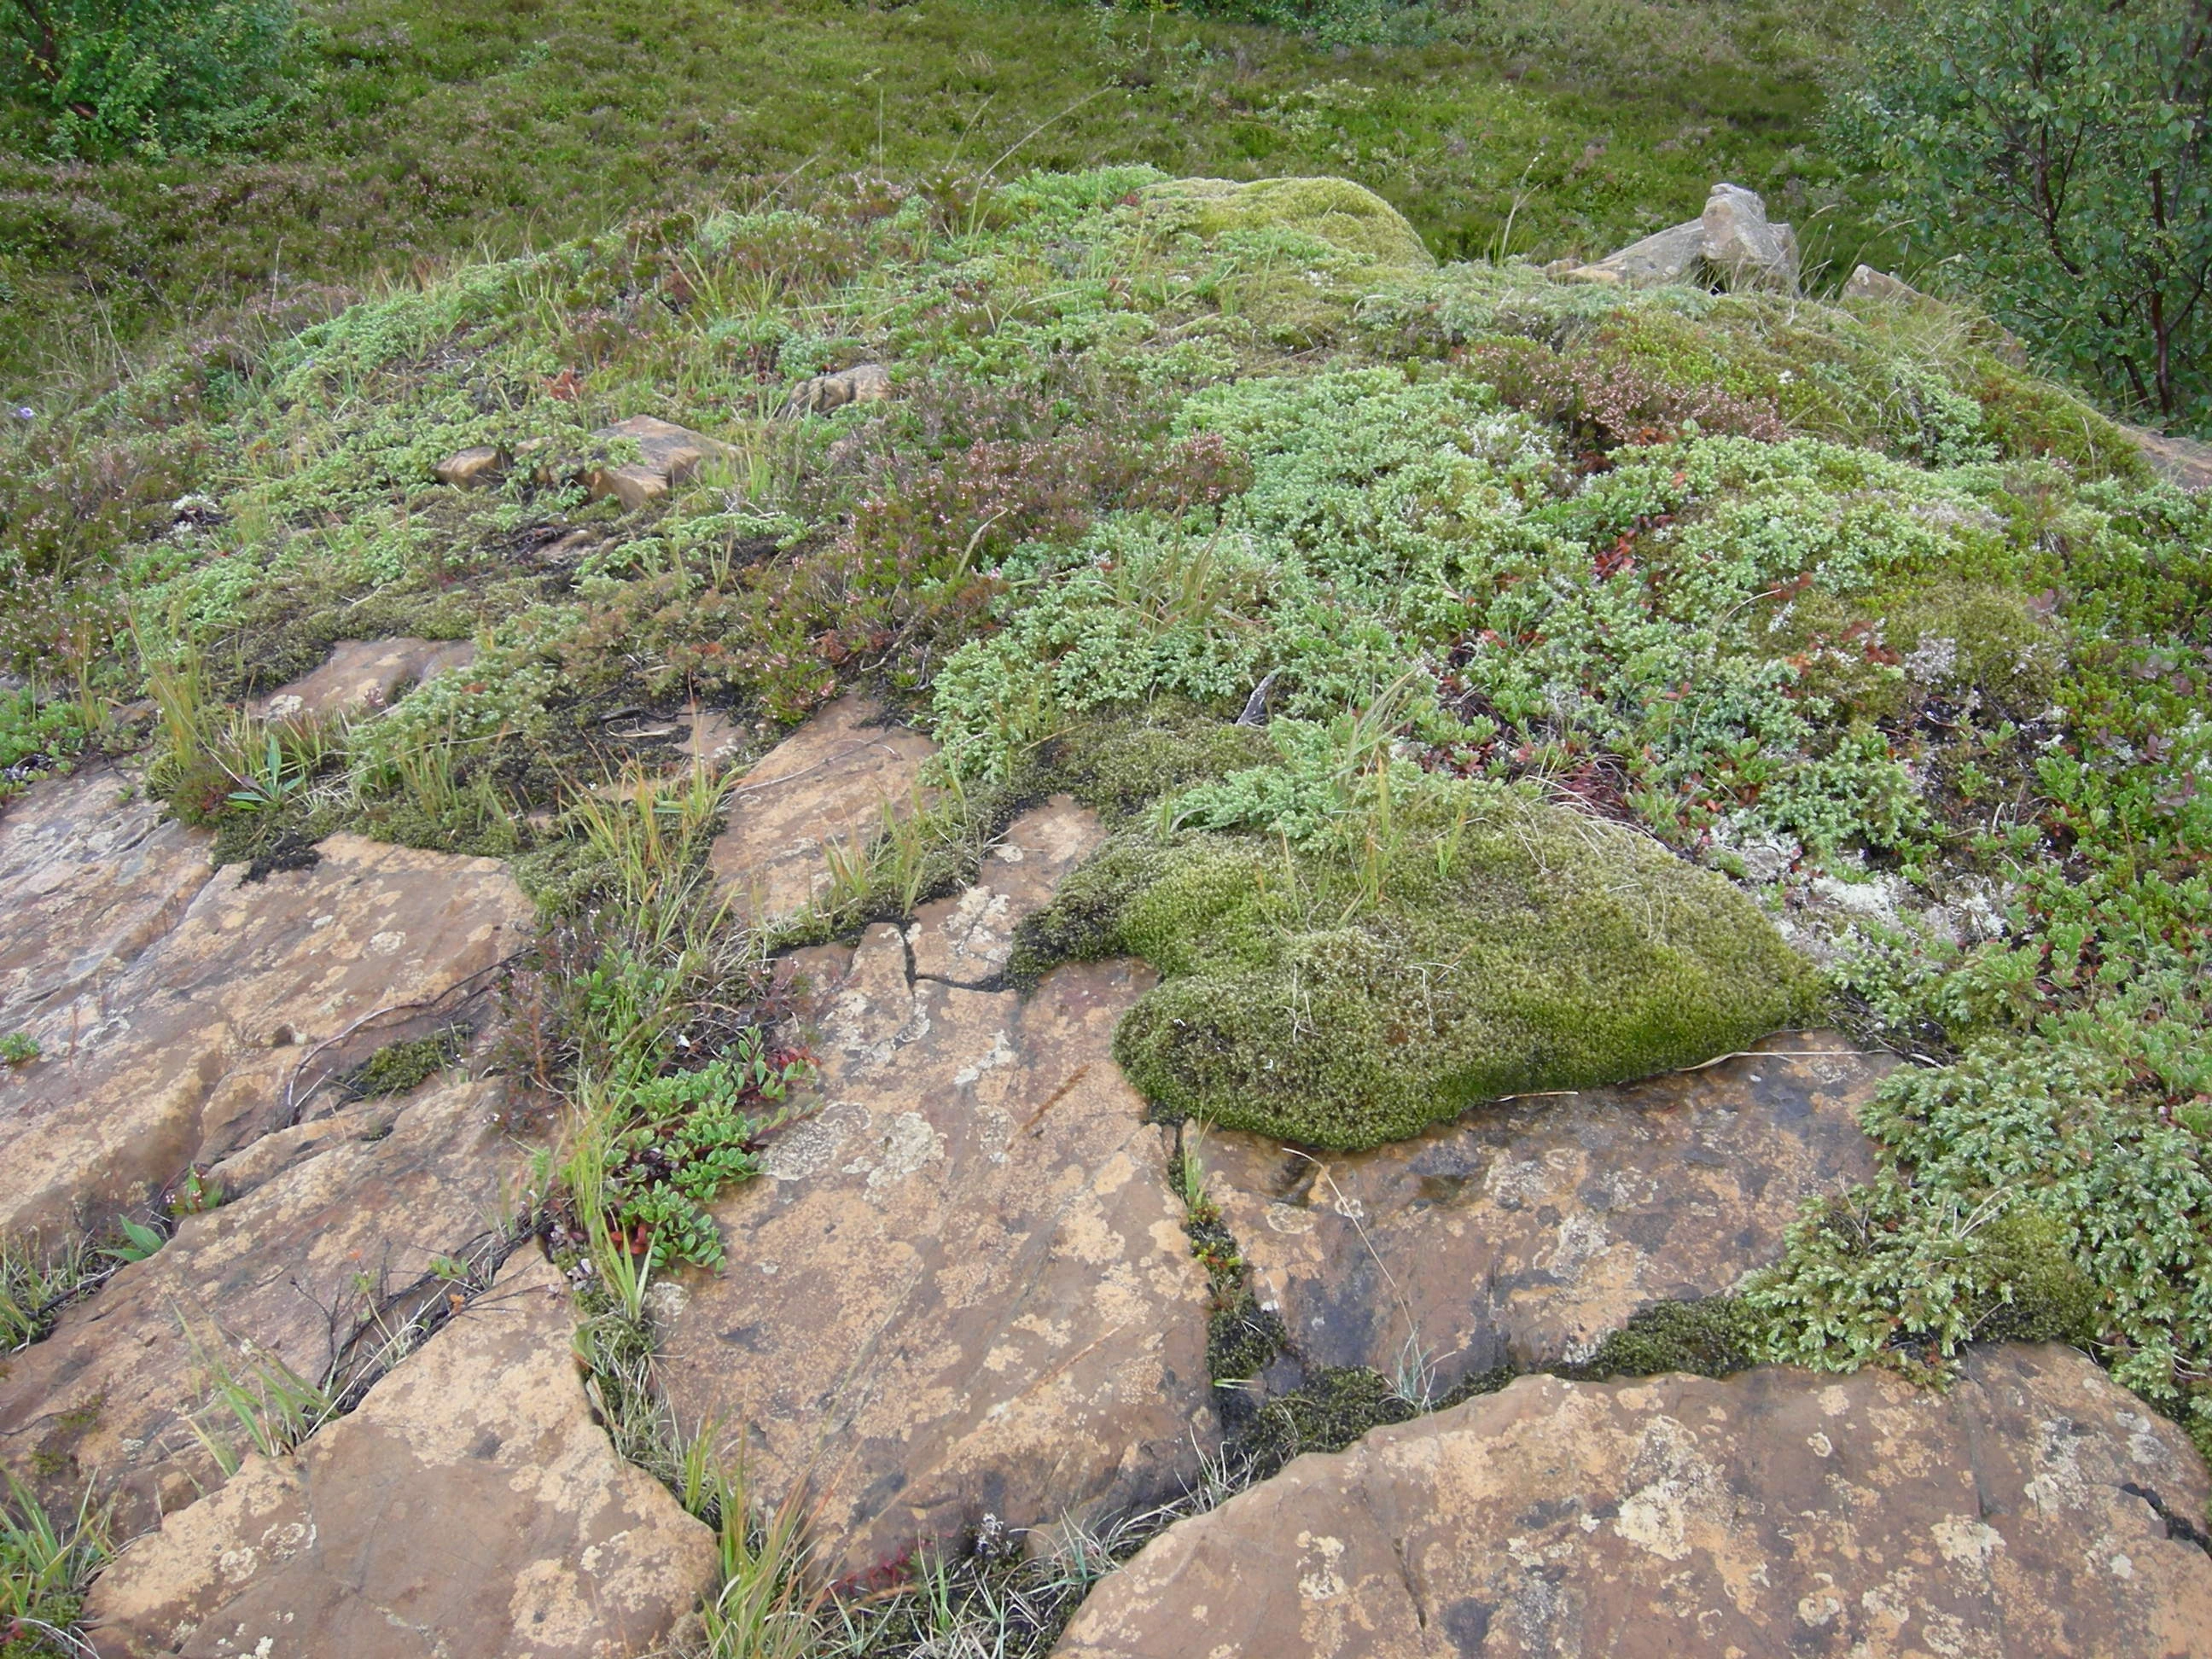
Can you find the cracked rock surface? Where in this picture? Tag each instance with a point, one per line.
(471, 1509)
(1524, 1232)
(170, 1043)
(2027, 1511)
(962, 1286)
(364, 673)
(830, 780)
(327, 1239)
(966, 939)
(93, 877)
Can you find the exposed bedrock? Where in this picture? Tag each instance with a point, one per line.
(2034, 1508)
(472, 1507)
(962, 1286)
(173, 1005)
(1523, 1233)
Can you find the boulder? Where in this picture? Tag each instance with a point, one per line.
(178, 1053)
(327, 1245)
(478, 467)
(2183, 462)
(2035, 1508)
(363, 674)
(1742, 247)
(1865, 282)
(1672, 255)
(1523, 1233)
(1732, 243)
(961, 1287)
(472, 1506)
(863, 383)
(669, 455)
(830, 780)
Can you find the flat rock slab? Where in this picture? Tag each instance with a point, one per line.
(363, 674)
(966, 939)
(667, 454)
(471, 1507)
(1778, 1513)
(326, 1245)
(962, 1286)
(830, 780)
(1523, 1233)
(92, 875)
(180, 1056)
(2183, 462)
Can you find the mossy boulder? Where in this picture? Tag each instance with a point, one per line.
(1482, 944)
(1345, 216)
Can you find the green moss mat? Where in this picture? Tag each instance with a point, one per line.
(1490, 946)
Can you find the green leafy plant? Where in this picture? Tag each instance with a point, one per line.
(195, 1195)
(45, 1566)
(18, 1048)
(271, 1407)
(36, 739)
(153, 75)
(2065, 151)
(139, 1241)
(37, 1280)
(690, 1134)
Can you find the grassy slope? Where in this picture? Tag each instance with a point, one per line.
(480, 126)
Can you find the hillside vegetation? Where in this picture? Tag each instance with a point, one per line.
(425, 133)
(1554, 595)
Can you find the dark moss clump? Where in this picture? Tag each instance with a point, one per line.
(2031, 1288)
(400, 1067)
(1481, 946)
(1242, 1338)
(1334, 1409)
(1714, 1336)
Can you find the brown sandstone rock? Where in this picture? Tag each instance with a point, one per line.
(471, 1507)
(363, 674)
(2183, 462)
(1524, 1232)
(477, 467)
(962, 1286)
(828, 781)
(322, 1251)
(181, 1056)
(92, 877)
(1776, 1515)
(670, 454)
(966, 939)
(863, 383)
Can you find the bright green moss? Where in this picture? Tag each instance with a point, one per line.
(1345, 216)
(1475, 944)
